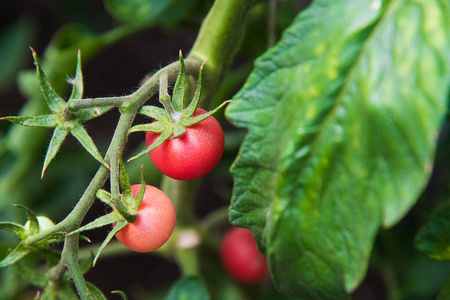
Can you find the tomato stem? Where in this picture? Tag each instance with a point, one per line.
(128, 214)
(218, 40)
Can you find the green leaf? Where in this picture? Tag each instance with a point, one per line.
(15, 255)
(96, 294)
(194, 120)
(15, 228)
(124, 181)
(117, 227)
(77, 82)
(434, 238)
(85, 140)
(100, 222)
(139, 196)
(178, 90)
(188, 288)
(59, 134)
(154, 112)
(141, 192)
(32, 219)
(105, 197)
(153, 127)
(121, 294)
(343, 115)
(189, 111)
(53, 100)
(161, 139)
(37, 121)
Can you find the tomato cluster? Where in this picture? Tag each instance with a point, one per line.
(190, 156)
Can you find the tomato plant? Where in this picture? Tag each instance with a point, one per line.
(192, 155)
(340, 115)
(241, 258)
(155, 222)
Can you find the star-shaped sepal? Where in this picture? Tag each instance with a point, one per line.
(173, 119)
(60, 117)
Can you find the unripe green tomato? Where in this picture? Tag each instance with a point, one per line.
(44, 223)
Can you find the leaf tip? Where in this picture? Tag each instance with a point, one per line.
(201, 67)
(34, 55)
(105, 164)
(94, 262)
(44, 168)
(32, 50)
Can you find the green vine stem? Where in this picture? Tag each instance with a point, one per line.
(77, 104)
(114, 175)
(218, 41)
(69, 258)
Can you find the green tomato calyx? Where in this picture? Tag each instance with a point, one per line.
(172, 120)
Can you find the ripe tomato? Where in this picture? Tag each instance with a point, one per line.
(192, 155)
(155, 222)
(241, 258)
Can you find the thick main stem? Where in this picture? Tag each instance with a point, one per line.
(218, 40)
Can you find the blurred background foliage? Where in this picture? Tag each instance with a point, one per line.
(121, 45)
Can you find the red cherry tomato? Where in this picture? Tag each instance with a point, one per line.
(192, 155)
(155, 222)
(241, 258)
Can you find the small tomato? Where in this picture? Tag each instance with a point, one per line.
(155, 222)
(241, 257)
(44, 223)
(192, 155)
